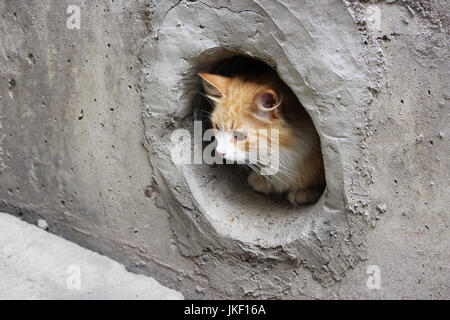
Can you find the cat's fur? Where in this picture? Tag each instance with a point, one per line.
(244, 104)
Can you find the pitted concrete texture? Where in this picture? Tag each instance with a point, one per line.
(35, 264)
(86, 117)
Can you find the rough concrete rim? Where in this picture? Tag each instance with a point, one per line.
(333, 240)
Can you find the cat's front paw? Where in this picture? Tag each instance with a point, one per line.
(303, 196)
(258, 183)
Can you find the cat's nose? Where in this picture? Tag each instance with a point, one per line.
(221, 154)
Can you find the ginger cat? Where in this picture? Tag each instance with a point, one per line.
(244, 104)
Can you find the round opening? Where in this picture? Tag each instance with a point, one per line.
(222, 190)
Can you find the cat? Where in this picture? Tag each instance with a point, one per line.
(244, 104)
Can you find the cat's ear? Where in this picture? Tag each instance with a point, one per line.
(215, 85)
(267, 103)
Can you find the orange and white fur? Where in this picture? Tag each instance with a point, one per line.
(244, 105)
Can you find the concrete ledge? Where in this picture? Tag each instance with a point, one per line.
(35, 264)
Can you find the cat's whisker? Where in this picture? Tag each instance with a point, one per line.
(275, 176)
(208, 98)
(205, 112)
(284, 173)
(255, 170)
(280, 165)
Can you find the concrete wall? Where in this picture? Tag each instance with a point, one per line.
(86, 117)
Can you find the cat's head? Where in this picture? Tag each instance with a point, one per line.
(244, 115)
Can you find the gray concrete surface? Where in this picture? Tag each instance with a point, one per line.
(35, 264)
(86, 116)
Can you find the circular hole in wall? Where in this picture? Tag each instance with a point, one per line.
(222, 190)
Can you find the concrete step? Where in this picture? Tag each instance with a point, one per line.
(35, 264)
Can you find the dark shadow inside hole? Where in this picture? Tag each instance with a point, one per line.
(235, 176)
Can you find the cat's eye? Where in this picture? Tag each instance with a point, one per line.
(239, 136)
(216, 126)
